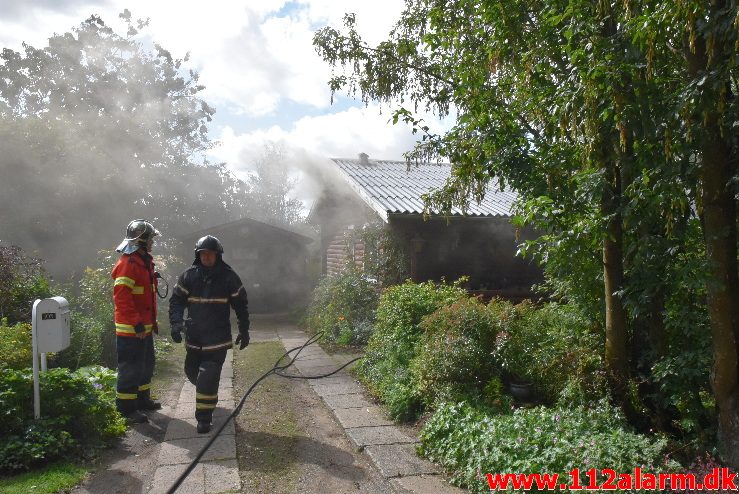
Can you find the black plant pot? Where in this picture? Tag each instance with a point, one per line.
(522, 391)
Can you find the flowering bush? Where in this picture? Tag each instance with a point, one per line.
(343, 307)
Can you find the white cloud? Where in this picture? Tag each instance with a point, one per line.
(251, 56)
(313, 140)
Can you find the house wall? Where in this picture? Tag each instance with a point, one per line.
(341, 249)
(482, 248)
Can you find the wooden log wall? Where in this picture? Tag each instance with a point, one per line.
(340, 252)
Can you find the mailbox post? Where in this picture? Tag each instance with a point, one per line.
(50, 330)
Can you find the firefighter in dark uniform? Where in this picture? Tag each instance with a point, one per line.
(207, 290)
(134, 298)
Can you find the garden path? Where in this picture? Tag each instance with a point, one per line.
(375, 455)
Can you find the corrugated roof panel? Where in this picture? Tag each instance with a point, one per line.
(397, 189)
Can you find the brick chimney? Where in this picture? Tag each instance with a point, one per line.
(364, 159)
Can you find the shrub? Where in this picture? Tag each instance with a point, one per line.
(392, 346)
(453, 359)
(552, 346)
(77, 408)
(15, 345)
(22, 280)
(471, 442)
(343, 308)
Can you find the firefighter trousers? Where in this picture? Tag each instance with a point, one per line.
(135, 369)
(203, 369)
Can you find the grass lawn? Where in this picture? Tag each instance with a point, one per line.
(267, 429)
(47, 480)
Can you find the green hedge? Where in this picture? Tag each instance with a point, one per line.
(77, 409)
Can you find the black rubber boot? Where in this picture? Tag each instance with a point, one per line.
(203, 427)
(136, 417)
(148, 404)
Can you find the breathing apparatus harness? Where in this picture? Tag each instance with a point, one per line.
(277, 370)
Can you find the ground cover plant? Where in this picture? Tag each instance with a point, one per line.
(470, 442)
(77, 415)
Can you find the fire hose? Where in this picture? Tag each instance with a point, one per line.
(277, 370)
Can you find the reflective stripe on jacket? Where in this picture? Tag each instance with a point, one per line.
(209, 295)
(134, 293)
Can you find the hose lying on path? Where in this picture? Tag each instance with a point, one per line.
(277, 370)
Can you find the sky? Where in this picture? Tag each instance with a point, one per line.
(258, 65)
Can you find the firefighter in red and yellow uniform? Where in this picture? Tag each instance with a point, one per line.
(134, 297)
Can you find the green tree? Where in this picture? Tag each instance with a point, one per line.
(576, 105)
(95, 121)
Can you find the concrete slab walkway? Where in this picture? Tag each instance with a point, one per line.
(391, 449)
(218, 470)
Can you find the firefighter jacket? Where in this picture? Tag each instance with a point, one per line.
(134, 293)
(208, 294)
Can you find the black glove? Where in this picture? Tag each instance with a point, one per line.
(139, 328)
(177, 332)
(242, 340)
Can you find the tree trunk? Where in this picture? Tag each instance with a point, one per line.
(613, 274)
(717, 167)
(719, 211)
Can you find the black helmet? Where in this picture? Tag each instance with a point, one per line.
(138, 232)
(141, 231)
(208, 242)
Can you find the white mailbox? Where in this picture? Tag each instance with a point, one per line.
(51, 324)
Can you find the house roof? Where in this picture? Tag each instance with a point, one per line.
(391, 187)
(227, 227)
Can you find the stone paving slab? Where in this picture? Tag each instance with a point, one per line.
(340, 378)
(218, 470)
(185, 450)
(310, 357)
(346, 401)
(399, 460)
(166, 475)
(313, 362)
(361, 417)
(427, 484)
(337, 389)
(222, 476)
(367, 436)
